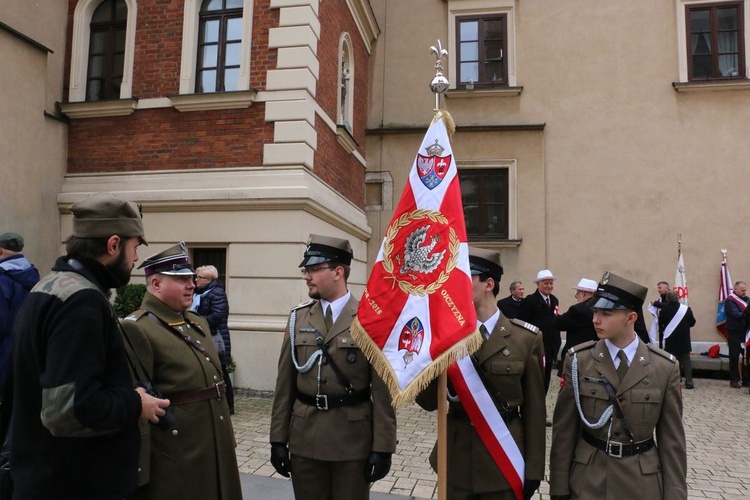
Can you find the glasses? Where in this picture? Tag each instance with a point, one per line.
(312, 270)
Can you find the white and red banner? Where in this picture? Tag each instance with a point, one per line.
(416, 316)
(680, 280)
(725, 288)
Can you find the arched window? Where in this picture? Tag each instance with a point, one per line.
(219, 46)
(345, 113)
(106, 50)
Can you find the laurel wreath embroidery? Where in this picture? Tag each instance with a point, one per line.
(390, 235)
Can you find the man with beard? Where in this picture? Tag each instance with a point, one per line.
(331, 411)
(75, 413)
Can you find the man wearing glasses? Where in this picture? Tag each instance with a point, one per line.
(332, 426)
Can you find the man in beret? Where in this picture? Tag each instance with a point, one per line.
(17, 277)
(511, 359)
(618, 429)
(332, 425)
(75, 413)
(193, 456)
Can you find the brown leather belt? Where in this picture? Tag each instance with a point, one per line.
(618, 450)
(216, 391)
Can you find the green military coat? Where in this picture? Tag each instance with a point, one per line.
(195, 457)
(344, 433)
(511, 358)
(652, 402)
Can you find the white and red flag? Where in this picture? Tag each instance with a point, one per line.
(416, 316)
(680, 280)
(725, 288)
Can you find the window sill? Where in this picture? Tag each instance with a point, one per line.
(711, 86)
(214, 100)
(496, 244)
(345, 138)
(97, 109)
(499, 92)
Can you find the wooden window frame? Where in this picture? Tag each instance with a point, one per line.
(109, 73)
(483, 83)
(715, 73)
(484, 200)
(223, 17)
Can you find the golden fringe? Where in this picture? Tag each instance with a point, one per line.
(450, 125)
(379, 362)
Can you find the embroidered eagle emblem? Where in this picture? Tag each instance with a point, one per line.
(417, 256)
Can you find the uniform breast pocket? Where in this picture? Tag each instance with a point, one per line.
(650, 402)
(349, 349)
(507, 373)
(305, 344)
(594, 399)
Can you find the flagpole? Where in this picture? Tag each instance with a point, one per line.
(438, 86)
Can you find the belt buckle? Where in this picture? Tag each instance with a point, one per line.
(611, 447)
(218, 390)
(321, 401)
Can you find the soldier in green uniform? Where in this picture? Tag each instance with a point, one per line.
(511, 359)
(193, 455)
(331, 411)
(618, 420)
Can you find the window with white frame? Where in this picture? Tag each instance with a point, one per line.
(488, 195)
(345, 99)
(102, 50)
(482, 35)
(712, 40)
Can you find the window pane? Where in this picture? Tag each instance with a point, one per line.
(469, 71)
(115, 89)
(230, 79)
(94, 90)
(701, 66)
(208, 81)
(727, 18)
(493, 30)
(469, 51)
(121, 10)
(120, 40)
(728, 42)
(103, 12)
(728, 65)
(469, 31)
(211, 31)
(212, 5)
(232, 56)
(96, 66)
(493, 50)
(495, 221)
(701, 44)
(234, 4)
(700, 21)
(210, 56)
(98, 42)
(234, 28)
(118, 63)
(494, 71)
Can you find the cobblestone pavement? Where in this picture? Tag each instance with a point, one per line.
(716, 424)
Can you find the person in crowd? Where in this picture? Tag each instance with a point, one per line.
(734, 307)
(332, 424)
(17, 277)
(510, 358)
(510, 305)
(618, 429)
(577, 322)
(210, 301)
(170, 347)
(75, 412)
(675, 321)
(540, 309)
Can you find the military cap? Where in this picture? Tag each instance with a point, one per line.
(326, 249)
(485, 262)
(173, 261)
(11, 241)
(614, 292)
(102, 215)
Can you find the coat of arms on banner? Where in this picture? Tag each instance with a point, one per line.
(432, 169)
(411, 339)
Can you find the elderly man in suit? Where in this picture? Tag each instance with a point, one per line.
(331, 411)
(540, 309)
(510, 305)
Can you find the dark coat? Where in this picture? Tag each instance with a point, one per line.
(578, 324)
(534, 310)
(679, 341)
(214, 307)
(509, 306)
(735, 322)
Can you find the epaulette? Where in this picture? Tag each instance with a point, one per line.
(192, 316)
(662, 353)
(523, 324)
(135, 316)
(580, 347)
(304, 304)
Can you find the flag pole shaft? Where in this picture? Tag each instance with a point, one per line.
(442, 440)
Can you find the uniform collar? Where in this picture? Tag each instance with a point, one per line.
(629, 349)
(336, 306)
(491, 322)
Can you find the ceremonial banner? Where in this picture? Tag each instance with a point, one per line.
(680, 280)
(725, 288)
(416, 316)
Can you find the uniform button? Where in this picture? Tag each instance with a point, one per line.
(304, 341)
(208, 359)
(216, 377)
(507, 368)
(221, 417)
(174, 432)
(593, 391)
(648, 396)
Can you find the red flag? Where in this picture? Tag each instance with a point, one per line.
(417, 315)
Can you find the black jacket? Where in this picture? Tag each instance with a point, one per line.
(679, 341)
(578, 323)
(534, 310)
(509, 307)
(214, 307)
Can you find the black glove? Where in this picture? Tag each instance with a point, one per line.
(529, 487)
(280, 459)
(378, 466)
